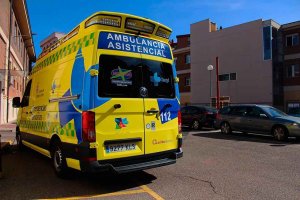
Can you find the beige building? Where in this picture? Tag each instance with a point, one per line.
(246, 63)
(19, 57)
(50, 40)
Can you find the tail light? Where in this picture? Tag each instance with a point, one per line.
(88, 126)
(218, 116)
(179, 122)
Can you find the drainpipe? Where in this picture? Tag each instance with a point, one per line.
(8, 58)
(218, 86)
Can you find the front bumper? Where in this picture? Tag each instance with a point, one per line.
(131, 164)
(294, 130)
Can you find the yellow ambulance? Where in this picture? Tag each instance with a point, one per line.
(104, 97)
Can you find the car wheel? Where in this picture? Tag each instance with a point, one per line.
(20, 145)
(196, 125)
(280, 133)
(225, 128)
(59, 160)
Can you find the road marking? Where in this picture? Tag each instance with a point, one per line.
(102, 195)
(151, 192)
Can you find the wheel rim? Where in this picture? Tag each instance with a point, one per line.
(225, 128)
(57, 159)
(279, 133)
(195, 125)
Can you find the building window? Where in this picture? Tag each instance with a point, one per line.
(187, 81)
(232, 76)
(292, 40)
(224, 77)
(187, 59)
(267, 42)
(293, 108)
(227, 77)
(293, 71)
(189, 41)
(16, 32)
(19, 40)
(21, 47)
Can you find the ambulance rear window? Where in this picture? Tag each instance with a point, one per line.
(119, 76)
(123, 77)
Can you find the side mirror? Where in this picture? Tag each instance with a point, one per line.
(264, 116)
(16, 102)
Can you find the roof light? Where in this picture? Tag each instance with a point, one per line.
(139, 25)
(161, 32)
(107, 20)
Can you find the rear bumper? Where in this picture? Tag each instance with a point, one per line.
(131, 164)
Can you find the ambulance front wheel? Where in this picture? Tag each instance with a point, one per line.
(59, 160)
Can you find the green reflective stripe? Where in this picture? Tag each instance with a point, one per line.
(83, 42)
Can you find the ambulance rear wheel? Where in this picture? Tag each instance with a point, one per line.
(59, 160)
(19, 140)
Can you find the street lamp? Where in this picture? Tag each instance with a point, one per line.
(210, 68)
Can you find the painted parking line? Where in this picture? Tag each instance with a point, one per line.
(102, 195)
(144, 189)
(151, 192)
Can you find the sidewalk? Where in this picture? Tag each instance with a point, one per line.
(8, 127)
(7, 132)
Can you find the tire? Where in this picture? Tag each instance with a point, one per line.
(225, 128)
(59, 160)
(279, 133)
(196, 125)
(20, 145)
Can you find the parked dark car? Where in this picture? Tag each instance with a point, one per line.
(294, 112)
(197, 117)
(258, 119)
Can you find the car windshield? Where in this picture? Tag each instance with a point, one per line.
(273, 112)
(210, 109)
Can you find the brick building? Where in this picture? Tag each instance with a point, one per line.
(20, 56)
(181, 53)
(291, 64)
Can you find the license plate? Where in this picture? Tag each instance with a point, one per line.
(120, 147)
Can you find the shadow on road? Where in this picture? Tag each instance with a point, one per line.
(29, 175)
(246, 137)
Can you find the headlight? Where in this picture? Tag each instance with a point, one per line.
(295, 124)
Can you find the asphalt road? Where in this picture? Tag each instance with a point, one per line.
(214, 166)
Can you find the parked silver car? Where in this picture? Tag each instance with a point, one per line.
(258, 119)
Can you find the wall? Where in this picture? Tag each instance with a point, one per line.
(240, 51)
(19, 58)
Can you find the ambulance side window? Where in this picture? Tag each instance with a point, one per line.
(25, 99)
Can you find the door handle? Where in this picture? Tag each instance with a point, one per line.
(116, 106)
(152, 111)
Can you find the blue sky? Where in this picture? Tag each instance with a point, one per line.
(48, 16)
